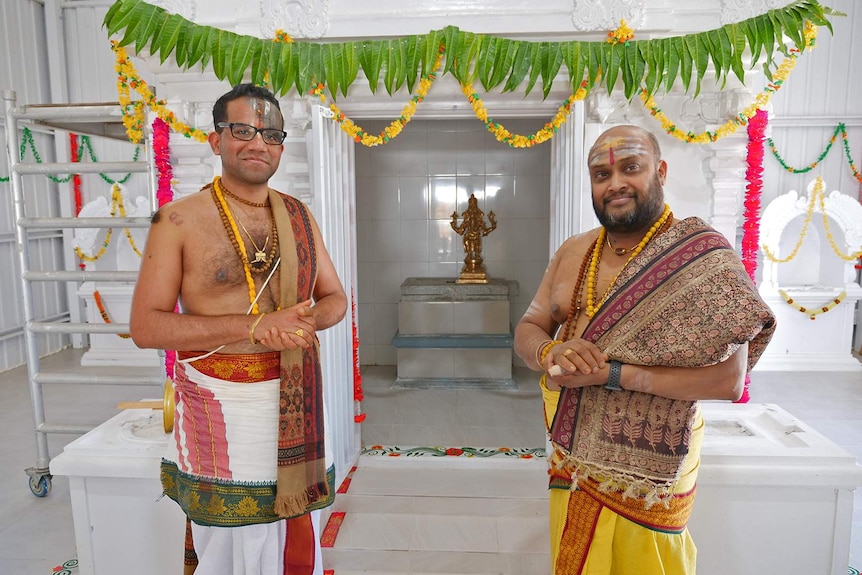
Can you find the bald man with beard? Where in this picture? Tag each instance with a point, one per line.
(633, 323)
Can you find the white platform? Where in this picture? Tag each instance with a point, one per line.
(122, 522)
(774, 495)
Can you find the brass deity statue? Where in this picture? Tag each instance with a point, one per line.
(473, 229)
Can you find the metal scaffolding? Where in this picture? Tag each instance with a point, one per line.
(103, 120)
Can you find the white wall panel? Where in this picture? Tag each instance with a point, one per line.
(823, 90)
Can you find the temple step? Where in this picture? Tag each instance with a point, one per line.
(444, 514)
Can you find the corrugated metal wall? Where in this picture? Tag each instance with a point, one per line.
(24, 69)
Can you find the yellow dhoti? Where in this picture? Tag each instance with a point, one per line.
(617, 545)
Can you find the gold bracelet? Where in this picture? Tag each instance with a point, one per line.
(252, 328)
(548, 347)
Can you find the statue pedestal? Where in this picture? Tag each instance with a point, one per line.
(454, 335)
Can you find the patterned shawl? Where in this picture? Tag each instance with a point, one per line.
(684, 301)
(301, 484)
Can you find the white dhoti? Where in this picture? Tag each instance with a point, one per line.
(221, 468)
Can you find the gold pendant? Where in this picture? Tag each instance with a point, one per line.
(259, 257)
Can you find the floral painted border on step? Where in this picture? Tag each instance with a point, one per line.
(438, 451)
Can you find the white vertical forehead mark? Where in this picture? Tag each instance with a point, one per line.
(264, 112)
(613, 149)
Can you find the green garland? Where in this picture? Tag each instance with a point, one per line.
(839, 129)
(27, 141)
(494, 61)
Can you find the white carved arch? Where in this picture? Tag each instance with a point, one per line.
(844, 214)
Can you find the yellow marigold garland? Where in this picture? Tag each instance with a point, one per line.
(127, 80)
(732, 125)
(516, 140)
(117, 205)
(394, 128)
(813, 312)
(622, 34)
(818, 198)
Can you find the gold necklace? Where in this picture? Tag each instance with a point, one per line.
(259, 253)
(592, 277)
(617, 251)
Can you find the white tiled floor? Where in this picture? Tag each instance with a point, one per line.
(36, 534)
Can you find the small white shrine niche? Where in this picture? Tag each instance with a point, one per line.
(809, 280)
(112, 301)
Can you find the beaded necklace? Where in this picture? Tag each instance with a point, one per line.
(236, 240)
(241, 200)
(596, 256)
(575, 305)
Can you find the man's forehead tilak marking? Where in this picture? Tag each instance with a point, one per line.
(624, 147)
(265, 112)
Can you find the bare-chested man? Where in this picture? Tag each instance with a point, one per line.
(632, 324)
(254, 283)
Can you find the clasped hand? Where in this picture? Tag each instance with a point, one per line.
(290, 328)
(575, 363)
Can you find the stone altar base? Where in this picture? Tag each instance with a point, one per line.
(454, 335)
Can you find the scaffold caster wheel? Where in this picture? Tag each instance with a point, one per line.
(41, 485)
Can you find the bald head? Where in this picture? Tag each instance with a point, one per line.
(623, 141)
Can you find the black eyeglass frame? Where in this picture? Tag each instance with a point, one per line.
(255, 131)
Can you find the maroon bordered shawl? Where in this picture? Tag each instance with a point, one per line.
(301, 477)
(684, 301)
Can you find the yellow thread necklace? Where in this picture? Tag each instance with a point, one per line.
(225, 210)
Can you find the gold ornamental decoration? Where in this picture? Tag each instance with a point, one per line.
(473, 228)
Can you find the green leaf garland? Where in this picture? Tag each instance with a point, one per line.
(656, 64)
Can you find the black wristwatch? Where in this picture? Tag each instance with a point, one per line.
(615, 371)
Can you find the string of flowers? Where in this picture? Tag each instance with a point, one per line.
(27, 142)
(76, 182)
(117, 205)
(813, 312)
(394, 128)
(812, 165)
(358, 395)
(753, 190)
(104, 313)
(621, 35)
(817, 199)
(86, 145)
(743, 117)
(849, 156)
(133, 115)
(164, 194)
(503, 135)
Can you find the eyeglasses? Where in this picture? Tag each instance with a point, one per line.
(247, 133)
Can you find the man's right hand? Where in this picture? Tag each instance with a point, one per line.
(290, 328)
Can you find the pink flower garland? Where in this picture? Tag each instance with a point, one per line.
(358, 395)
(164, 194)
(751, 223)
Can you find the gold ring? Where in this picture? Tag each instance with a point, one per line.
(568, 351)
(299, 332)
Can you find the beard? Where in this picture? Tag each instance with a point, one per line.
(648, 208)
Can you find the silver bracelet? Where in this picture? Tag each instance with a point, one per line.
(614, 372)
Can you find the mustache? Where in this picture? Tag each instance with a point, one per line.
(609, 199)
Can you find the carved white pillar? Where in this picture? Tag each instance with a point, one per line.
(725, 169)
(567, 162)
